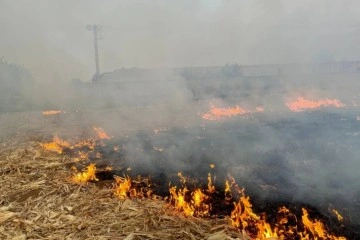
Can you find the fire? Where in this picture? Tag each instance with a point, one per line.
(302, 104)
(192, 203)
(244, 218)
(211, 187)
(216, 113)
(85, 176)
(338, 215)
(200, 202)
(125, 187)
(81, 156)
(101, 133)
(52, 112)
(87, 144)
(57, 145)
(180, 203)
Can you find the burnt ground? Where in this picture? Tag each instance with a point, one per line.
(304, 160)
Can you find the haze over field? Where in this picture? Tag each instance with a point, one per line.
(50, 38)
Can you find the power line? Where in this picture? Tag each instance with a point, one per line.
(95, 29)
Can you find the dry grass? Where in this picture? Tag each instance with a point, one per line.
(38, 202)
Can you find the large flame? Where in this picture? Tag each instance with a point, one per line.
(302, 104)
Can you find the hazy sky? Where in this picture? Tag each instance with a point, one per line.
(50, 37)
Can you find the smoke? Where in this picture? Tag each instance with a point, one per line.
(152, 92)
(52, 41)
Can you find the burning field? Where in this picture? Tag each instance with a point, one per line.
(221, 179)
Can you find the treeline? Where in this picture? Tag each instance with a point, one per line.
(16, 83)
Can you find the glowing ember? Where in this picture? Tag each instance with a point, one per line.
(302, 104)
(57, 145)
(52, 112)
(85, 176)
(101, 133)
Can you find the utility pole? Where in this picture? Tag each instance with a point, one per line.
(95, 29)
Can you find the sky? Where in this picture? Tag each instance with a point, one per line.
(51, 40)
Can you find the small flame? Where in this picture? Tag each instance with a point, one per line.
(217, 113)
(57, 145)
(211, 187)
(315, 227)
(52, 112)
(87, 143)
(191, 203)
(123, 186)
(101, 133)
(302, 104)
(338, 215)
(81, 156)
(85, 176)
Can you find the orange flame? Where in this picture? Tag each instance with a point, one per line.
(211, 187)
(216, 113)
(191, 203)
(101, 133)
(222, 113)
(87, 143)
(123, 186)
(81, 156)
(244, 218)
(85, 176)
(338, 215)
(57, 145)
(302, 104)
(52, 112)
